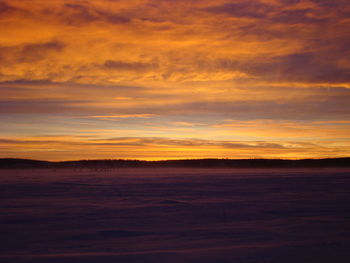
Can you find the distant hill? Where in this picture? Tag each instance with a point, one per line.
(13, 163)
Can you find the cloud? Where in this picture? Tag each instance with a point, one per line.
(285, 129)
(81, 14)
(326, 108)
(152, 141)
(5, 8)
(252, 9)
(29, 53)
(152, 43)
(260, 102)
(47, 106)
(184, 123)
(144, 141)
(167, 68)
(300, 67)
(128, 66)
(159, 148)
(304, 16)
(123, 116)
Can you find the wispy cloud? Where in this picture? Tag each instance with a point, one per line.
(124, 116)
(68, 147)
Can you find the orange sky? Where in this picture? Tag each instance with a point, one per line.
(169, 79)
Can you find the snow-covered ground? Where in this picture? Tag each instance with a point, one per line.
(175, 215)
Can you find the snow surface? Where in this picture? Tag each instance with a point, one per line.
(175, 215)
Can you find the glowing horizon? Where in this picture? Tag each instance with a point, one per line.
(155, 80)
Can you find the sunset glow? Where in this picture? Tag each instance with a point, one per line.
(169, 79)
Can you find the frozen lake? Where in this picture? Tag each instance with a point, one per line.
(178, 215)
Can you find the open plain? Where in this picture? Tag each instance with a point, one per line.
(175, 215)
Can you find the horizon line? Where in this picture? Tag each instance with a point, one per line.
(180, 159)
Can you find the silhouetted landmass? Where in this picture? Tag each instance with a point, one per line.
(12, 163)
(23, 163)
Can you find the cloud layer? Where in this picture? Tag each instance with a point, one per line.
(220, 71)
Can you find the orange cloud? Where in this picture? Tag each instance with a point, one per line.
(175, 69)
(123, 116)
(151, 148)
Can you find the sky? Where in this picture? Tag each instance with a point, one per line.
(169, 79)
